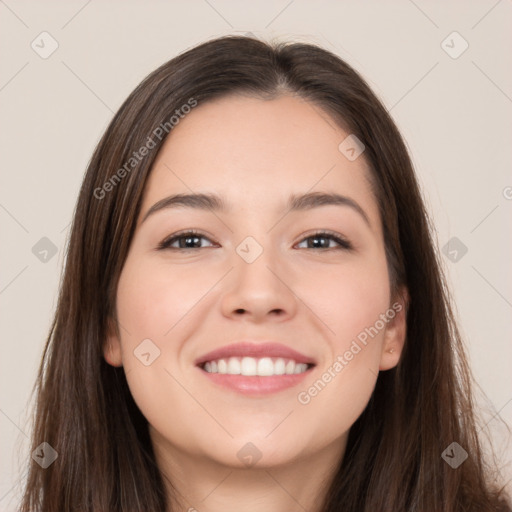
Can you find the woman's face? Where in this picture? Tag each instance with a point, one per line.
(256, 272)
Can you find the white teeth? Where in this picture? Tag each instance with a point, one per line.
(299, 368)
(279, 366)
(265, 367)
(233, 366)
(290, 367)
(222, 366)
(250, 366)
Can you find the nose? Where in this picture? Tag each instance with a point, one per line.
(260, 291)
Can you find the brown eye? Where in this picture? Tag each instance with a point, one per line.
(187, 240)
(322, 239)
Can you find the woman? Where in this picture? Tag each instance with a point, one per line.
(209, 351)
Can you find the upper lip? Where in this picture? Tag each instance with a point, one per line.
(258, 350)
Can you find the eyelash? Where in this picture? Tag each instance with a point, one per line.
(329, 235)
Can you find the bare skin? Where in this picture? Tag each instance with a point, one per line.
(314, 298)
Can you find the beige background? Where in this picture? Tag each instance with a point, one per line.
(455, 114)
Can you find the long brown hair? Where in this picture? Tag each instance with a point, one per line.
(84, 407)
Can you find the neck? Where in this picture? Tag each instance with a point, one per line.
(196, 483)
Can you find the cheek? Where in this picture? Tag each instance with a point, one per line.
(153, 298)
(348, 298)
(151, 302)
(350, 301)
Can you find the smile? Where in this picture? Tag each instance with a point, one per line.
(251, 366)
(255, 369)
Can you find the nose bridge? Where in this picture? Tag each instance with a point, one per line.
(257, 285)
(254, 262)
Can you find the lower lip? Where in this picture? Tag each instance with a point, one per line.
(256, 385)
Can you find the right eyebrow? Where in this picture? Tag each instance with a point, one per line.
(198, 201)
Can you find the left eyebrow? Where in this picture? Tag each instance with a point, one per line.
(316, 199)
(213, 202)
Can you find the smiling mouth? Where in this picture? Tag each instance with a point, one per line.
(257, 367)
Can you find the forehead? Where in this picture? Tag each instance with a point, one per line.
(257, 152)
